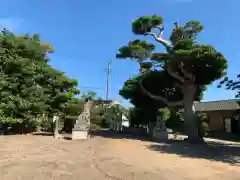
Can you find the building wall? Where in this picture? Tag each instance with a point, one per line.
(125, 121)
(217, 120)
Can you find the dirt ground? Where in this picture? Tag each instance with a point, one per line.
(31, 157)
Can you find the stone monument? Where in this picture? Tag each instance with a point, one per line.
(82, 126)
(160, 131)
(56, 127)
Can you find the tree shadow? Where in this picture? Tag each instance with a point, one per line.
(118, 135)
(42, 133)
(25, 133)
(211, 150)
(66, 136)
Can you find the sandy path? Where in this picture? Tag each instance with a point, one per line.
(42, 157)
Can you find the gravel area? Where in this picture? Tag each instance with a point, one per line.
(31, 157)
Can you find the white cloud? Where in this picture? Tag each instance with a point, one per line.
(11, 23)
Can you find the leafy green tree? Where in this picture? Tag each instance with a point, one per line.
(142, 116)
(188, 65)
(57, 87)
(90, 95)
(132, 90)
(175, 122)
(73, 107)
(28, 84)
(102, 116)
(203, 124)
(165, 113)
(136, 117)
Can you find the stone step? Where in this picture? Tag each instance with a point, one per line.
(79, 129)
(80, 126)
(79, 135)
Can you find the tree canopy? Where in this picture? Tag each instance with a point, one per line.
(102, 116)
(28, 84)
(184, 69)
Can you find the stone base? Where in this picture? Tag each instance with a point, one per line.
(79, 135)
(57, 136)
(161, 135)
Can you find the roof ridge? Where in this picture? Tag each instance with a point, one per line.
(224, 100)
(230, 104)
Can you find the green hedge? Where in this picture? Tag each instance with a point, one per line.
(33, 125)
(26, 126)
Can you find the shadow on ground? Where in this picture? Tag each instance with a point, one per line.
(42, 133)
(66, 136)
(211, 150)
(118, 135)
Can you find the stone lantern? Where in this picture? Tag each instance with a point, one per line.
(82, 126)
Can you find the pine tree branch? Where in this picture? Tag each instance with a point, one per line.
(165, 43)
(177, 103)
(159, 98)
(175, 75)
(161, 30)
(159, 37)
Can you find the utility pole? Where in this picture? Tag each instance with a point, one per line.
(108, 78)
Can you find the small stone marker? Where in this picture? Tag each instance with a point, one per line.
(160, 131)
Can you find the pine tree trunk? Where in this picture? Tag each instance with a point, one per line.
(190, 123)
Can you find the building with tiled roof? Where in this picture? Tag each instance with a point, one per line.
(223, 115)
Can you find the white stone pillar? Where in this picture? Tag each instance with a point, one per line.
(56, 126)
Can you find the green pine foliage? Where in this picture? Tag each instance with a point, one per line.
(29, 86)
(165, 77)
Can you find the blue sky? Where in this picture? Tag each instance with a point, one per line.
(86, 34)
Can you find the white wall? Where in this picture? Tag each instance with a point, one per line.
(125, 121)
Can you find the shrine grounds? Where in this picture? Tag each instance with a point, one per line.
(115, 156)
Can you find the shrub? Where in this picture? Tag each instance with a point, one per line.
(46, 125)
(32, 125)
(203, 124)
(9, 125)
(176, 123)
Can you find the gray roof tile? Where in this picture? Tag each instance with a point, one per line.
(232, 104)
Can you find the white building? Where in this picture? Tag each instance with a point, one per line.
(125, 121)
